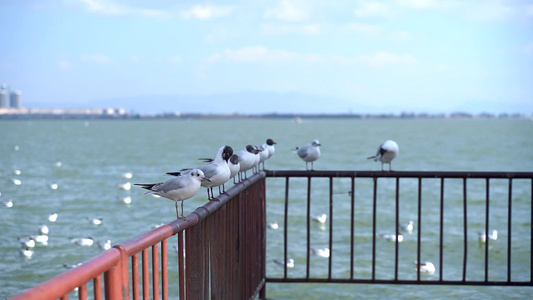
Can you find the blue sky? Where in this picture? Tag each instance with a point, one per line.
(359, 56)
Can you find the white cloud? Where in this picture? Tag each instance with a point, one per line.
(488, 11)
(382, 58)
(259, 54)
(372, 9)
(63, 64)
(309, 29)
(205, 12)
(110, 8)
(288, 10)
(96, 58)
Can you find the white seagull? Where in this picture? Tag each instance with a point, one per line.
(127, 175)
(95, 221)
(269, 145)
(26, 252)
(86, 242)
(263, 155)
(126, 199)
(247, 158)
(178, 188)
(321, 218)
(425, 267)
(273, 225)
(8, 204)
(492, 236)
(234, 166)
(386, 153)
(27, 243)
(321, 252)
(41, 239)
(125, 186)
(43, 229)
(290, 263)
(217, 171)
(408, 227)
(106, 245)
(392, 237)
(52, 217)
(309, 153)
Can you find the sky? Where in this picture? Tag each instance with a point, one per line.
(330, 56)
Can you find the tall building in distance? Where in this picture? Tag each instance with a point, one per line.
(10, 100)
(4, 96)
(16, 99)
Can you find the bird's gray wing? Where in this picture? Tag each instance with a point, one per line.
(171, 184)
(303, 151)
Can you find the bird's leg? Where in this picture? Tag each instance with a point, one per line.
(182, 216)
(177, 210)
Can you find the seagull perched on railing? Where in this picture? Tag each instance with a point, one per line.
(248, 158)
(178, 188)
(309, 153)
(217, 171)
(386, 153)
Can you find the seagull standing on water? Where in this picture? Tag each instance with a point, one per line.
(217, 171)
(309, 153)
(386, 153)
(177, 188)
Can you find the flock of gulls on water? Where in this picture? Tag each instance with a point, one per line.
(29, 243)
(228, 165)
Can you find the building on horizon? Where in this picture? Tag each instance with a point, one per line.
(4, 96)
(15, 99)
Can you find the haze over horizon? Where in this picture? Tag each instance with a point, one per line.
(286, 56)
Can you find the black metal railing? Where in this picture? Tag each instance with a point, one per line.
(472, 192)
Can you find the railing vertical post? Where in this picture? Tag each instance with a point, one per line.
(330, 226)
(352, 226)
(181, 266)
(509, 228)
(374, 213)
(465, 229)
(396, 229)
(135, 276)
(113, 282)
(285, 227)
(441, 234)
(124, 283)
(487, 198)
(308, 231)
(419, 229)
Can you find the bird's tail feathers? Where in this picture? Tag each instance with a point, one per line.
(371, 157)
(205, 159)
(174, 173)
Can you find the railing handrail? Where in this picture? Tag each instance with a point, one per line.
(398, 174)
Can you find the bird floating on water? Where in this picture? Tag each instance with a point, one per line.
(408, 227)
(321, 252)
(492, 236)
(273, 225)
(309, 153)
(86, 242)
(386, 153)
(322, 218)
(425, 267)
(392, 237)
(52, 217)
(290, 263)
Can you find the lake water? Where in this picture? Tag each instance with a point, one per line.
(87, 160)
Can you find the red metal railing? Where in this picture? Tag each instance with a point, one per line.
(220, 255)
(222, 247)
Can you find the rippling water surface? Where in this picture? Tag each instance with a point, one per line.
(87, 160)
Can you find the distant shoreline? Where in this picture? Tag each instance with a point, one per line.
(288, 116)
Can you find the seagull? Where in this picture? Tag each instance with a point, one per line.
(217, 171)
(127, 175)
(273, 225)
(321, 252)
(234, 166)
(321, 218)
(270, 147)
(492, 236)
(71, 266)
(52, 217)
(53, 186)
(125, 186)
(41, 239)
(247, 158)
(8, 204)
(386, 153)
(27, 243)
(309, 153)
(126, 199)
(95, 221)
(290, 263)
(425, 267)
(16, 181)
(106, 245)
(26, 252)
(263, 155)
(178, 188)
(43, 229)
(392, 237)
(87, 242)
(408, 227)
